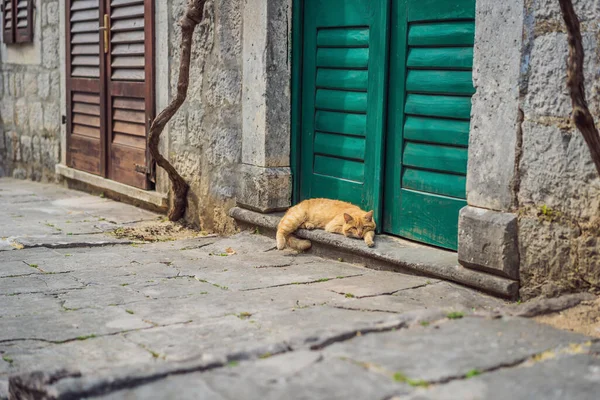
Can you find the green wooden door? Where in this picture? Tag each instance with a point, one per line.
(429, 110)
(344, 65)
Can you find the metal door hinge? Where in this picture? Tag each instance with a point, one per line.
(105, 30)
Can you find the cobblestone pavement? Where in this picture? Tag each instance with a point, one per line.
(231, 318)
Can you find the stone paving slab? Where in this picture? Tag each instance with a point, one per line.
(575, 377)
(297, 376)
(449, 296)
(450, 349)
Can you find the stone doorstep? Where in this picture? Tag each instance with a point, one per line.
(85, 181)
(390, 254)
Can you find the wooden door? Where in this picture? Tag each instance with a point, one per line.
(343, 88)
(110, 80)
(130, 100)
(429, 108)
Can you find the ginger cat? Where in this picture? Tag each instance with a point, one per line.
(331, 215)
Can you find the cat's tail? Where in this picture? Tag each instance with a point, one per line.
(298, 244)
(288, 224)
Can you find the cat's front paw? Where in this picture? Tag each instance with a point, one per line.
(309, 226)
(371, 244)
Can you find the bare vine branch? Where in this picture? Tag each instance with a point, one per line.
(584, 121)
(192, 17)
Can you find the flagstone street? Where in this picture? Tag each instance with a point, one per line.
(87, 311)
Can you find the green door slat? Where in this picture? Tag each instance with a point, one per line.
(340, 168)
(441, 82)
(335, 188)
(444, 57)
(355, 37)
(340, 146)
(442, 34)
(435, 157)
(435, 130)
(336, 122)
(434, 182)
(439, 106)
(429, 10)
(430, 218)
(339, 100)
(342, 79)
(342, 58)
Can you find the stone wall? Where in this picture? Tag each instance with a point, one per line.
(558, 190)
(206, 134)
(30, 100)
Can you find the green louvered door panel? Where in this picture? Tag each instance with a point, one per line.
(343, 92)
(429, 109)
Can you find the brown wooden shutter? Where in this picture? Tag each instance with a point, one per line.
(85, 114)
(130, 90)
(24, 20)
(8, 33)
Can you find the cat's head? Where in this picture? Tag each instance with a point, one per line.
(356, 227)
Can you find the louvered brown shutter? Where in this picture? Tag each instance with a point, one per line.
(85, 114)
(8, 33)
(24, 21)
(130, 90)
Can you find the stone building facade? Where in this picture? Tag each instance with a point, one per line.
(533, 195)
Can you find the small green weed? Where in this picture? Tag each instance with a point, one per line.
(129, 311)
(233, 364)
(424, 323)
(472, 373)
(455, 315)
(350, 296)
(86, 337)
(124, 284)
(8, 359)
(244, 315)
(323, 280)
(400, 377)
(265, 355)
(33, 265)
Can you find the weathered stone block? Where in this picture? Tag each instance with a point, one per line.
(30, 84)
(50, 53)
(266, 78)
(495, 112)
(264, 189)
(36, 114)
(51, 117)
(52, 13)
(7, 110)
(26, 148)
(487, 241)
(19, 173)
(43, 82)
(22, 114)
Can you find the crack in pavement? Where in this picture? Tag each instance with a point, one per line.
(301, 283)
(94, 336)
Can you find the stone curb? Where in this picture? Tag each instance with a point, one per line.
(389, 253)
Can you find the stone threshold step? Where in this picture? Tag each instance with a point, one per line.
(389, 254)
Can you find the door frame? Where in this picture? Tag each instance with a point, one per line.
(297, 45)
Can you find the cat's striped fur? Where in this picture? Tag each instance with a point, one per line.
(331, 215)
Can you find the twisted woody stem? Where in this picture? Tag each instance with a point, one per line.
(584, 121)
(193, 16)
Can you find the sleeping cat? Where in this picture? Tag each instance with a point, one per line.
(331, 215)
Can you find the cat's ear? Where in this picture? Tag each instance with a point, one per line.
(348, 218)
(369, 216)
